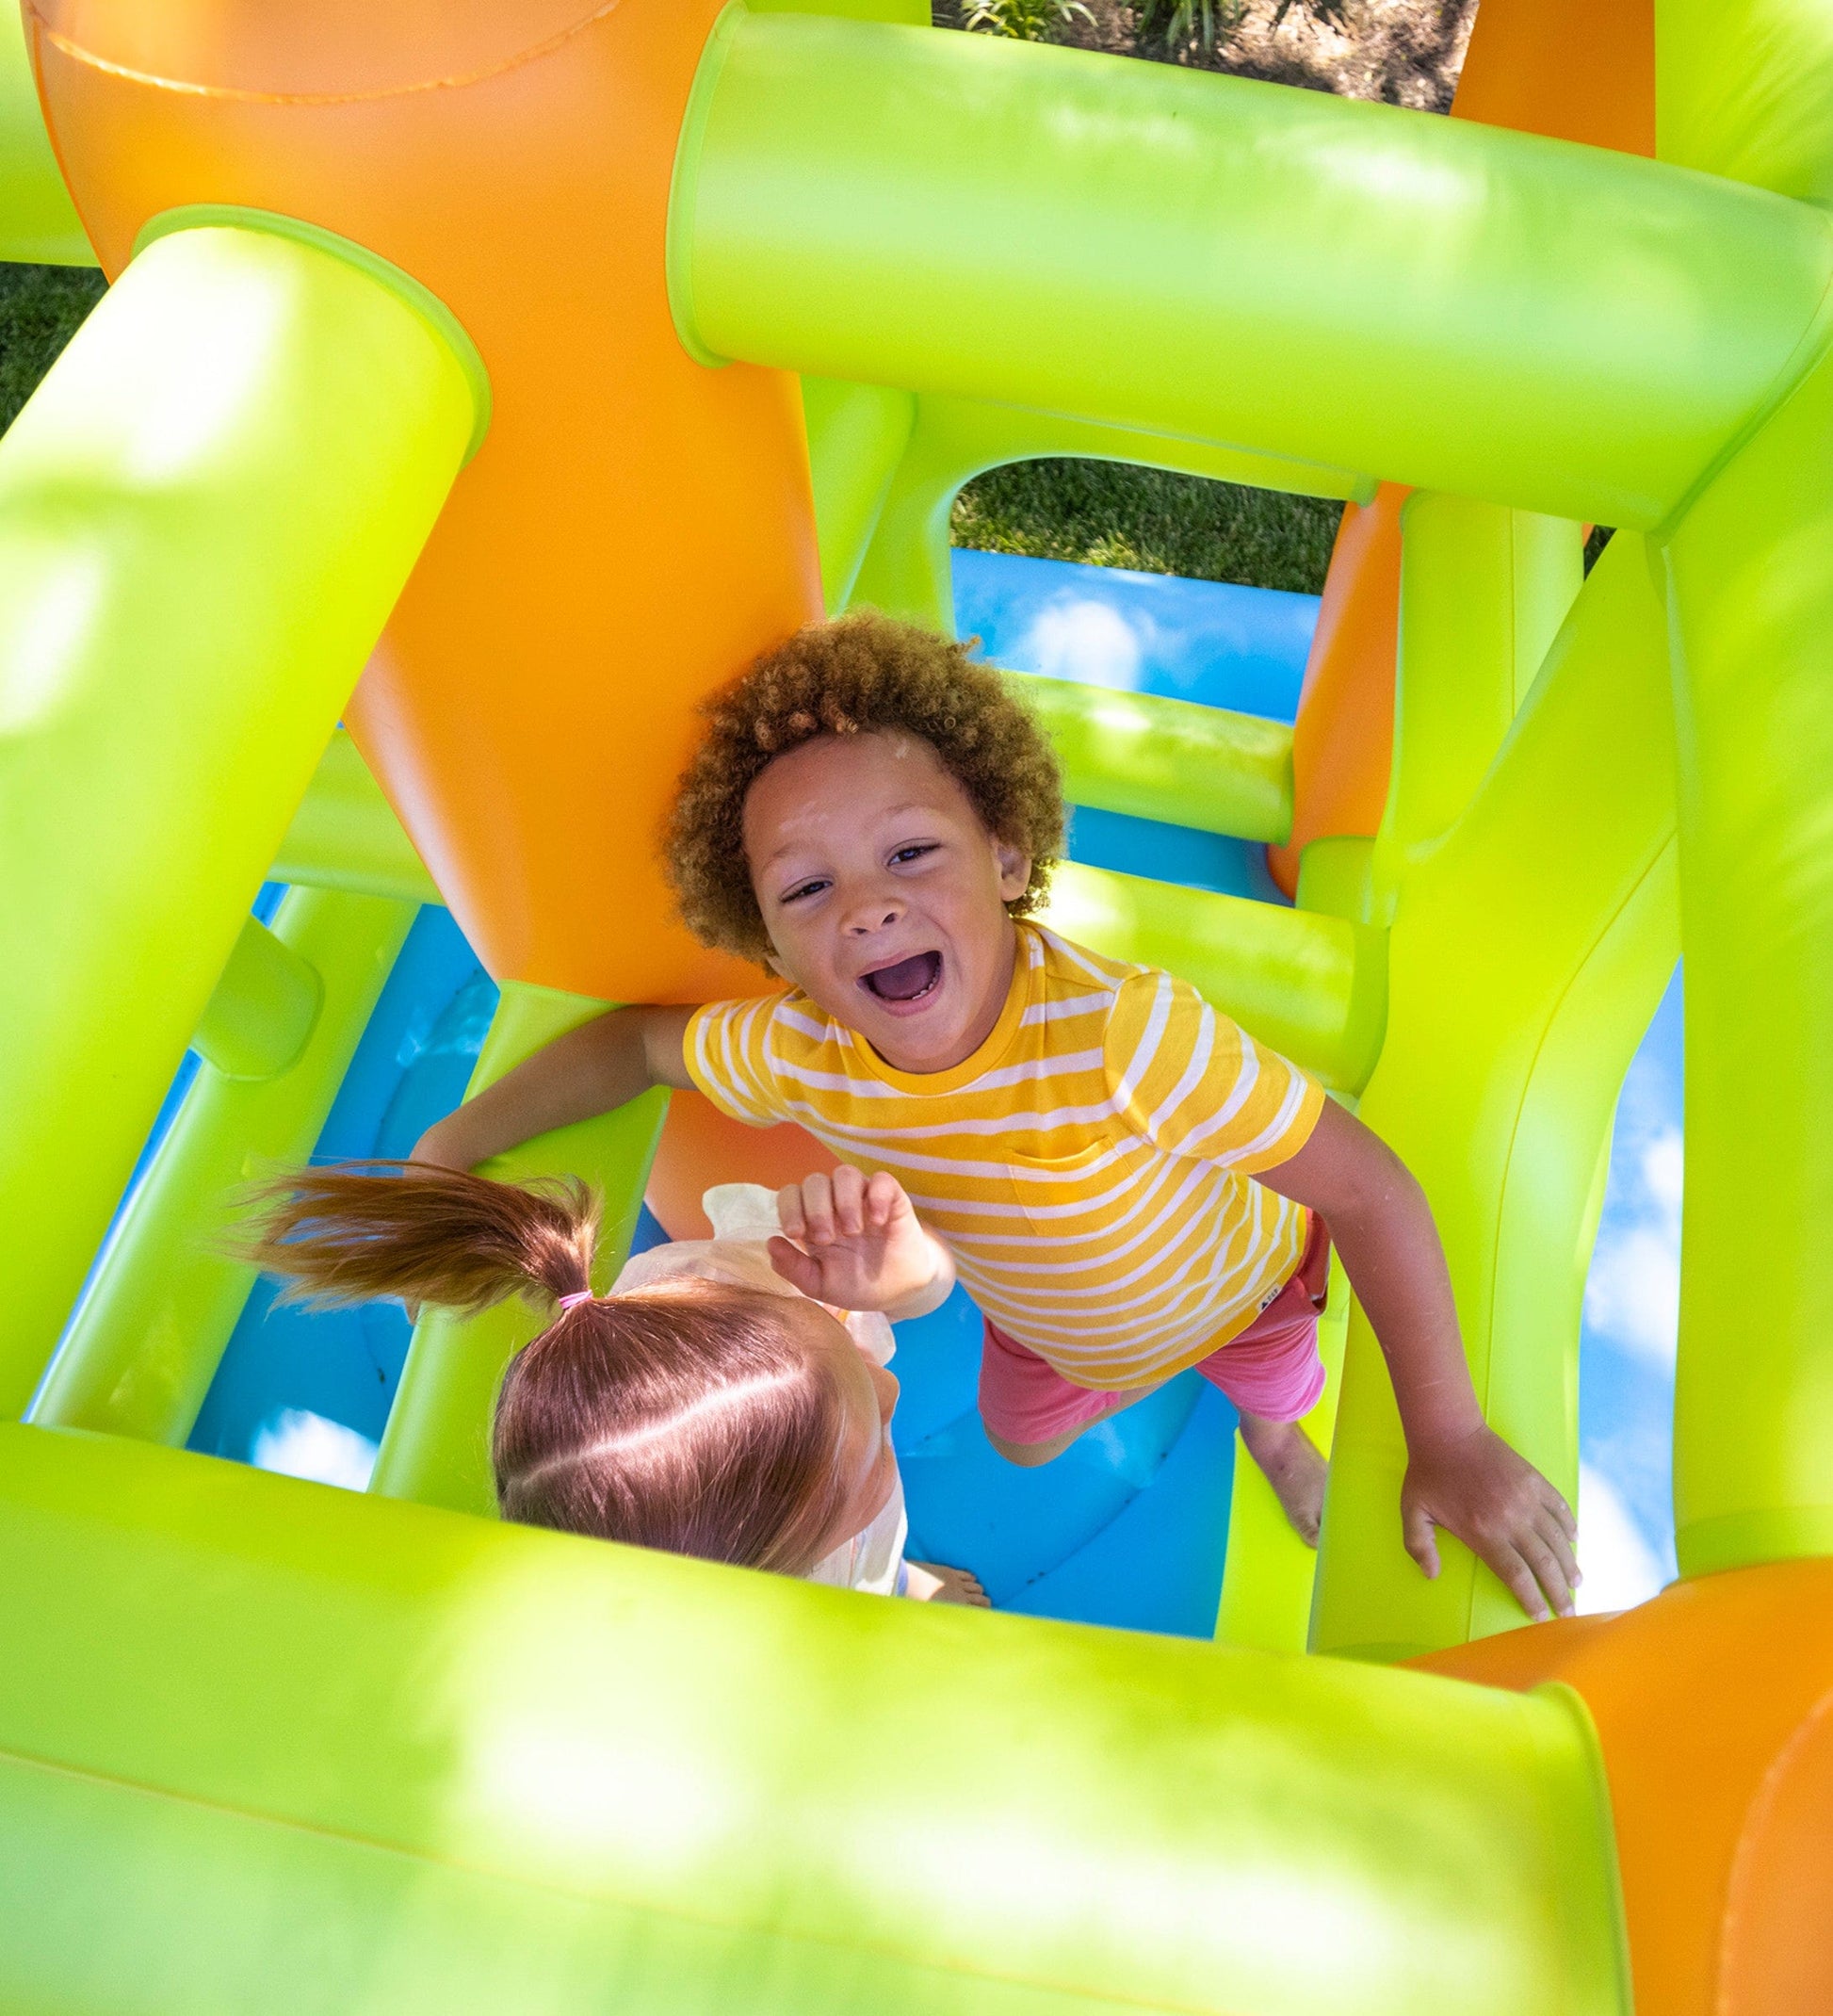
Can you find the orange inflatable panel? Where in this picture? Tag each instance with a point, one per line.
(1579, 70)
(1714, 1708)
(635, 527)
(701, 1146)
(1343, 740)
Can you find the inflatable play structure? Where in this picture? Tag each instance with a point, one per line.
(480, 383)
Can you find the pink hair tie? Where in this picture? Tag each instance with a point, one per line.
(578, 1296)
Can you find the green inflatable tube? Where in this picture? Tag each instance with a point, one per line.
(1202, 767)
(905, 569)
(1743, 91)
(1530, 947)
(436, 1446)
(856, 439)
(267, 1744)
(1483, 592)
(345, 834)
(1313, 987)
(1453, 306)
(146, 1342)
(1268, 1575)
(206, 512)
(1751, 576)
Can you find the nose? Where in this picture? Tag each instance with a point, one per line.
(872, 908)
(885, 1383)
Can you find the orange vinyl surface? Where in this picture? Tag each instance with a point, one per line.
(1714, 1708)
(1579, 70)
(1343, 739)
(701, 1146)
(635, 527)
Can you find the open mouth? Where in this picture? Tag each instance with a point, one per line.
(909, 980)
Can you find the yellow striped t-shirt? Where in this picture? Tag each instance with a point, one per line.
(1089, 1165)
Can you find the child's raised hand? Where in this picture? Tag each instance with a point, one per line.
(856, 1243)
(1502, 1509)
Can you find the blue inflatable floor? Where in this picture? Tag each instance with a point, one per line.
(1129, 1526)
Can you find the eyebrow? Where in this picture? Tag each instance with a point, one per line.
(770, 861)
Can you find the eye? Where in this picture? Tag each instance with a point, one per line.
(915, 852)
(802, 889)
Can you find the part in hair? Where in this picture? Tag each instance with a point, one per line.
(688, 1416)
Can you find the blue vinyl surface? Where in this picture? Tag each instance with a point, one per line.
(1128, 1527)
(1241, 648)
(291, 1376)
(1145, 633)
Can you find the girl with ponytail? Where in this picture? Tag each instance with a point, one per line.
(728, 1398)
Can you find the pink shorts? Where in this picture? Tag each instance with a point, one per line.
(1270, 1369)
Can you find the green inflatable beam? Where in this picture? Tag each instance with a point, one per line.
(1751, 580)
(345, 834)
(1312, 987)
(1483, 591)
(904, 566)
(1204, 767)
(1517, 999)
(856, 439)
(1450, 305)
(1745, 89)
(206, 512)
(1268, 1575)
(1741, 90)
(269, 1745)
(148, 1337)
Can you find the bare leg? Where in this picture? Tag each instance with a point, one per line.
(1029, 1456)
(1290, 1462)
(927, 1582)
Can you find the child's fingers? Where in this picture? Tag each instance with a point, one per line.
(788, 1210)
(795, 1266)
(1562, 1513)
(817, 1210)
(884, 1196)
(1421, 1539)
(1551, 1578)
(849, 1190)
(1518, 1577)
(1552, 1532)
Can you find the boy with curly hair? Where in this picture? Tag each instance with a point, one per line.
(1127, 1182)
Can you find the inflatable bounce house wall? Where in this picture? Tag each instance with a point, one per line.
(493, 377)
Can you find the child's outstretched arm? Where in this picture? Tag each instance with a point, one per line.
(590, 1070)
(1460, 1474)
(854, 1240)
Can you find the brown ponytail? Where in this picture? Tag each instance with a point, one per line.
(424, 1233)
(687, 1415)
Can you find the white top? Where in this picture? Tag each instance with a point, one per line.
(744, 1219)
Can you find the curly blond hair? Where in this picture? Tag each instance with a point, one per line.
(860, 673)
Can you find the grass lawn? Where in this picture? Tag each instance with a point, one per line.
(1113, 514)
(39, 309)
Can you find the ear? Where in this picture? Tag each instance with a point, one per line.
(773, 965)
(1014, 871)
